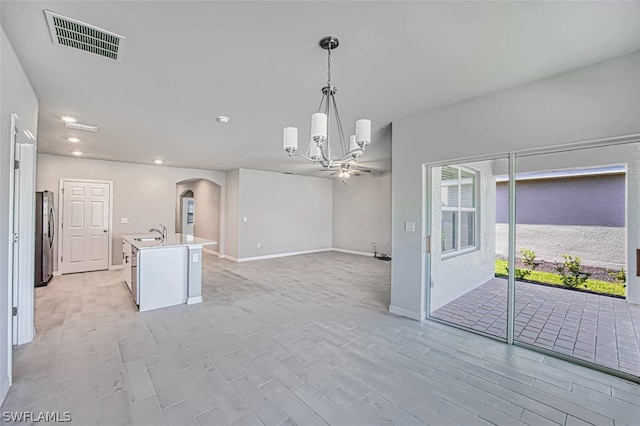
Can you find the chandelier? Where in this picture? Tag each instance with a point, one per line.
(319, 150)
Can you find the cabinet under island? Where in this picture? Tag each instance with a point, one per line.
(163, 272)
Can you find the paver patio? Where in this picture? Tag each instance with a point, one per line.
(600, 329)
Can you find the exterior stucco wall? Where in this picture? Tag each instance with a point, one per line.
(596, 200)
(456, 276)
(600, 246)
(581, 216)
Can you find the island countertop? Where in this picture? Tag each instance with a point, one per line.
(173, 240)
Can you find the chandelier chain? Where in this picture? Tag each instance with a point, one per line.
(329, 67)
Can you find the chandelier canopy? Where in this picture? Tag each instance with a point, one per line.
(319, 150)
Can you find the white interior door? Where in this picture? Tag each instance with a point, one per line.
(15, 232)
(85, 226)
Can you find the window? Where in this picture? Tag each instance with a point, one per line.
(458, 206)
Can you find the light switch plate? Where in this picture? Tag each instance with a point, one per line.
(410, 226)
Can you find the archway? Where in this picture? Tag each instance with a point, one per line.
(186, 224)
(198, 208)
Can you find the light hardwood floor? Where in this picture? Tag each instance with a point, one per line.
(301, 340)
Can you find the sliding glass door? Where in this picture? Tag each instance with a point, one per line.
(464, 289)
(576, 231)
(543, 255)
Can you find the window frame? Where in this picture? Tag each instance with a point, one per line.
(457, 251)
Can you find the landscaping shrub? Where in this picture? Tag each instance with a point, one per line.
(618, 276)
(571, 272)
(529, 258)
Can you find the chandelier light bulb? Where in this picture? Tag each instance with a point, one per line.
(314, 151)
(319, 125)
(290, 139)
(363, 132)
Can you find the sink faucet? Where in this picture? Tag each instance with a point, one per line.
(163, 232)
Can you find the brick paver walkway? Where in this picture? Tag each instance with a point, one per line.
(595, 328)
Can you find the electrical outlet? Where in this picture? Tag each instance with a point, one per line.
(258, 245)
(196, 258)
(124, 220)
(244, 219)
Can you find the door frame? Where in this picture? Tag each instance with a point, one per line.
(513, 156)
(59, 236)
(20, 288)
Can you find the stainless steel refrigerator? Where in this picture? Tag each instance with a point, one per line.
(45, 228)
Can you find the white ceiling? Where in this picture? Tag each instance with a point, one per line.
(184, 63)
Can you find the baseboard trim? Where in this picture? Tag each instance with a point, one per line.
(272, 256)
(194, 300)
(418, 316)
(115, 267)
(231, 258)
(57, 273)
(360, 253)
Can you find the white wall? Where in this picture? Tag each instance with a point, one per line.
(206, 195)
(594, 102)
(232, 215)
(17, 97)
(362, 213)
(454, 276)
(144, 194)
(284, 214)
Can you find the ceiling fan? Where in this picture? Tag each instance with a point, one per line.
(347, 170)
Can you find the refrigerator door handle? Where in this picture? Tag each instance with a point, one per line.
(51, 228)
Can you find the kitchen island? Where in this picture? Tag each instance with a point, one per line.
(163, 272)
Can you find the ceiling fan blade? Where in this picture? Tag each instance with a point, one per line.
(361, 169)
(332, 174)
(355, 173)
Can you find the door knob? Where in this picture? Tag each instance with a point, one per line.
(104, 230)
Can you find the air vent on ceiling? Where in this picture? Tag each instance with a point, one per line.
(79, 35)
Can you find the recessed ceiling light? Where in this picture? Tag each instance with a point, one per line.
(77, 152)
(74, 140)
(222, 119)
(84, 127)
(158, 161)
(68, 119)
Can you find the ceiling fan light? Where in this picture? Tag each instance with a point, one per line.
(290, 139)
(363, 132)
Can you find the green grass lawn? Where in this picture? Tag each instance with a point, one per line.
(554, 279)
